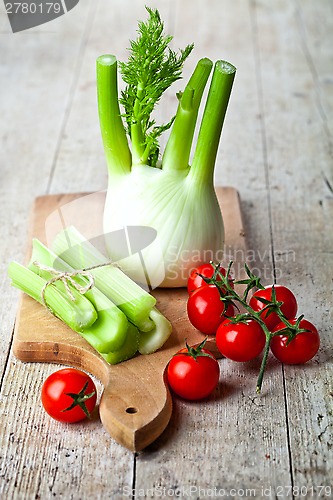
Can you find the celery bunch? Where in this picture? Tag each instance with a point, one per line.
(116, 316)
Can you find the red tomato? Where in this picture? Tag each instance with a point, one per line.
(301, 349)
(240, 341)
(191, 378)
(206, 310)
(69, 395)
(195, 281)
(283, 294)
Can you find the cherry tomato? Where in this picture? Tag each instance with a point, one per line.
(195, 281)
(69, 395)
(206, 310)
(191, 378)
(240, 341)
(283, 294)
(301, 348)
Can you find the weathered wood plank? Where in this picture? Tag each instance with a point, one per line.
(299, 153)
(232, 439)
(275, 148)
(315, 28)
(36, 76)
(41, 458)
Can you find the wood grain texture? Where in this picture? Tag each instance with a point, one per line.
(34, 103)
(275, 149)
(238, 440)
(136, 405)
(39, 79)
(298, 124)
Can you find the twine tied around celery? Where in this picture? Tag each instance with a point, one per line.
(67, 278)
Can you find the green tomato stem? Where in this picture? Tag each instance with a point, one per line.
(256, 316)
(263, 363)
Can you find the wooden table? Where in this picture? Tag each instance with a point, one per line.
(276, 149)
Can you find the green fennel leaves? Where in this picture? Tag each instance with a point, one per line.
(152, 68)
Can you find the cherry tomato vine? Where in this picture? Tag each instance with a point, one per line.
(275, 318)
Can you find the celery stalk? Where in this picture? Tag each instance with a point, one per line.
(78, 314)
(109, 332)
(128, 350)
(149, 342)
(135, 302)
(100, 335)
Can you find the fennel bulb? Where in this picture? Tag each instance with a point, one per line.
(177, 200)
(185, 215)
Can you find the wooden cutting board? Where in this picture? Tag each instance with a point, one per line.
(136, 404)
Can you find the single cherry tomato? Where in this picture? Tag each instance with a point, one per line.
(240, 341)
(69, 395)
(206, 310)
(193, 373)
(207, 270)
(283, 294)
(303, 347)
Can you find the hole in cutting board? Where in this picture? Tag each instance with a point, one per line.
(131, 409)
